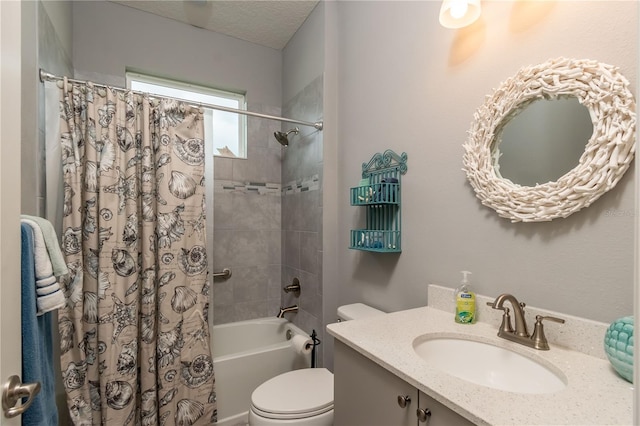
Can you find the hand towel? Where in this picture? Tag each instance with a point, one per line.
(53, 245)
(37, 342)
(49, 296)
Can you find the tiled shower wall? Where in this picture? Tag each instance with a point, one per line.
(246, 225)
(267, 219)
(302, 210)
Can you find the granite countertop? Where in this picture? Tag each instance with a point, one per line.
(595, 394)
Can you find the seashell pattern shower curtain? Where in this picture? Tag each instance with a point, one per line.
(134, 332)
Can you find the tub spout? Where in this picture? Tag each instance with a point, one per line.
(283, 311)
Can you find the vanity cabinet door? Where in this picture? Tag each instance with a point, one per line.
(440, 415)
(366, 394)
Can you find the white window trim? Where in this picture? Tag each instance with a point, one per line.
(189, 87)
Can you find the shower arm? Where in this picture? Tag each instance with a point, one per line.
(318, 125)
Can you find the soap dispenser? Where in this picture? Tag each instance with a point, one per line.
(465, 301)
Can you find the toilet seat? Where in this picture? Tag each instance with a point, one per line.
(296, 394)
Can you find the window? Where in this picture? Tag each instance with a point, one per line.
(225, 131)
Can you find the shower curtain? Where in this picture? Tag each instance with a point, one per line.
(134, 332)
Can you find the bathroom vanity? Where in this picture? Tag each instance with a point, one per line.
(366, 394)
(382, 376)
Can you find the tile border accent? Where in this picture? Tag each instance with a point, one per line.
(261, 188)
(311, 183)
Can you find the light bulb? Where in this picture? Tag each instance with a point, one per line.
(458, 13)
(458, 8)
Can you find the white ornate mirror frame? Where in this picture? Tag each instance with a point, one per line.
(607, 155)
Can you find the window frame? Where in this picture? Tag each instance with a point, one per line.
(240, 98)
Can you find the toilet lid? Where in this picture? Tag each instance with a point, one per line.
(297, 393)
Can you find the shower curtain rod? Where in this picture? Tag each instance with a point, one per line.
(45, 76)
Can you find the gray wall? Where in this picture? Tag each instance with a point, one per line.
(108, 38)
(302, 165)
(302, 210)
(414, 87)
(331, 200)
(31, 148)
(303, 56)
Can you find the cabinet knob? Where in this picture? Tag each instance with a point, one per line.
(404, 400)
(423, 414)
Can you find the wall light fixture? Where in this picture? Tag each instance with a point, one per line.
(459, 13)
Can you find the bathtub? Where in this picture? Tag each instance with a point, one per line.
(246, 354)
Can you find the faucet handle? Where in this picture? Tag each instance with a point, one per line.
(293, 287)
(538, 337)
(554, 319)
(505, 327)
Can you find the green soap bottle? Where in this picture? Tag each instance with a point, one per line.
(465, 301)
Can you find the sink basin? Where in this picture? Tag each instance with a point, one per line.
(488, 365)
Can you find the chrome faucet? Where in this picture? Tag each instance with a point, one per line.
(283, 311)
(520, 335)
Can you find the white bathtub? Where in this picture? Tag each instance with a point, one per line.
(245, 355)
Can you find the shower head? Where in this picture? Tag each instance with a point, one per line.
(282, 137)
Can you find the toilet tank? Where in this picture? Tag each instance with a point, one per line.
(357, 311)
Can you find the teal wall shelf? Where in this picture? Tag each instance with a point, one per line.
(379, 193)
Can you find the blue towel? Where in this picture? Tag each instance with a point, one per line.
(37, 345)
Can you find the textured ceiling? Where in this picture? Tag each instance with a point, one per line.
(269, 23)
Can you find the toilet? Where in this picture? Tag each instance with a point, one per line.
(301, 397)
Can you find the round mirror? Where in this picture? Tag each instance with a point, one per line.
(606, 156)
(543, 141)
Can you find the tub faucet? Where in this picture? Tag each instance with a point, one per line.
(283, 311)
(520, 335)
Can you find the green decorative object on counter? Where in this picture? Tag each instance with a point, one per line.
(618, 345)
